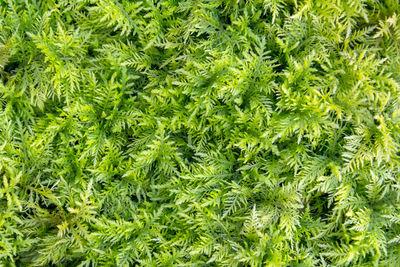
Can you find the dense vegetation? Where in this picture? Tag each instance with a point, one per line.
(199, 133)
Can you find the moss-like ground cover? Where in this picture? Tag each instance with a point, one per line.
(199, 133)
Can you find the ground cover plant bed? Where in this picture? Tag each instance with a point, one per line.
(199, 133)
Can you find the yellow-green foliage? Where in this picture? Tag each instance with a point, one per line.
(199, 133)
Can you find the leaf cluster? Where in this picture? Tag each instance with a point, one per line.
(199, 133)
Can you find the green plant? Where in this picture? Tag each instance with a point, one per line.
(199, 133)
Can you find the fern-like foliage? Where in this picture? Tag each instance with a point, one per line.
(199, 133)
